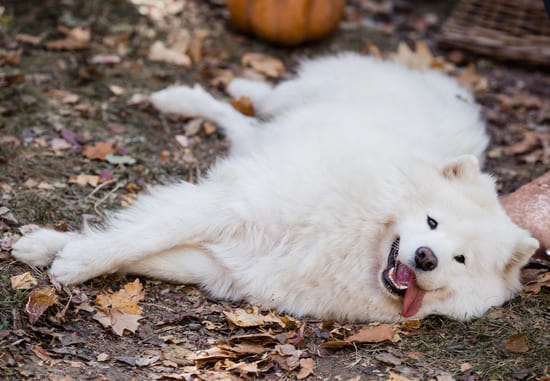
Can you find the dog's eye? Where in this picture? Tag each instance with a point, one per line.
(432, 223)
(460, 259)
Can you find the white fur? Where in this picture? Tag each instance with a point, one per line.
(301, 215)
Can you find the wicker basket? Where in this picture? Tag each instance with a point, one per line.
(503, 29)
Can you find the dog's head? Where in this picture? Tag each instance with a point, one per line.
(455, 251)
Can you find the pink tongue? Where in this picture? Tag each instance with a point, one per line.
(412, 300)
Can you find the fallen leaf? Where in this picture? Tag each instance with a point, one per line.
(23, 281)
(30, 183)
(245, 318)
(397, 377)
(465, 366)
(421, 58)
(213, 354)
(159, 52)
(120, 159)
(10, 139)
(517, 343)
(42, 354)
(388, 358)
(99, 150)
(39, 301)
(126, 299)
(375, 334)
(76, 38)
(307, 366)
(178, 354)
(117, 320)
(58, 145)
(209, 128)
(83, 180)
(411, 324)
(182, 140)
(287, 356)
(472, 81)
(243, 105)
(530, 140)
(542, 280)
(267, 65)
(28, 39)
(116, 90)
(120, 310)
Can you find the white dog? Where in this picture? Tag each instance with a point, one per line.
(357, 197)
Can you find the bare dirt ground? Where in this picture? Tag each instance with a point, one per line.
(78, 138)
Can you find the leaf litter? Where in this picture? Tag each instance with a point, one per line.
(228, 341)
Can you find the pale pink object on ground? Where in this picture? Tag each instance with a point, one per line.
(529, 207)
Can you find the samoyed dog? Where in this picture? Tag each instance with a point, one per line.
(355, 194)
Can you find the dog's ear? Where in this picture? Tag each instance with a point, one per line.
(465, 167)
(524, 250)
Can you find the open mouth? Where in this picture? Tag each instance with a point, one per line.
(400, 280)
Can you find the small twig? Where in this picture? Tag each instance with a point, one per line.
(96, 205)
(102, 185)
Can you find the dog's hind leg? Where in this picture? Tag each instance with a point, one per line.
(195, 101)
(186, 264)
(170, 217)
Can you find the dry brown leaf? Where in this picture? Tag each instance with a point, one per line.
(83, 180)
(178, 354)
(465, 366)
(260, 338)
(250, 317)
(99, 150)
(42, 354)
(543, 280)
(39, 301)
(159, 52)
(307, 366)
(28, 39)
(411, 324)
(59, 145)
(244, 106)
(78, 33)
(213, 354)
(120, 310)
(67, 44)
(118, 320)
(472, 81)
(421, 58)
(530, 140)
(209, 128)
(267, 65)
(126, 299)
(287, 356)
(375, 334)
(517, 343)
(397, 377)
(23, 281)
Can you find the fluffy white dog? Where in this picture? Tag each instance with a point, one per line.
(356, 196)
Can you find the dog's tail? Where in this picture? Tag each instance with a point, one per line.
(195, 101)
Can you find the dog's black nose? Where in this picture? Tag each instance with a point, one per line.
(425, 259)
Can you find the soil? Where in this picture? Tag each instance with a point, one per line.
(56, 101)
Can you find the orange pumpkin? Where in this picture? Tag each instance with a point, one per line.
(286, 22)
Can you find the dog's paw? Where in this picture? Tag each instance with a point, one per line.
(184, 100)
(40, 247)
(77, 262)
